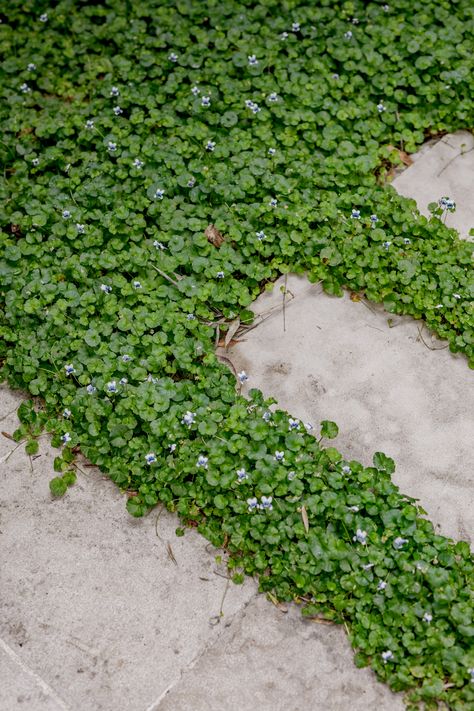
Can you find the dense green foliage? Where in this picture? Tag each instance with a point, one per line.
(128, 128)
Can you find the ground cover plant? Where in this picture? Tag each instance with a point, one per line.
(163, 163)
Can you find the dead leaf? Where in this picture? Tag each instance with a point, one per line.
(404, 157)
(355, 297)
(304, 516)
(8, 436)
(279, 605)
(320, 620)
(233, 328)
(214, 236)
(171, 554)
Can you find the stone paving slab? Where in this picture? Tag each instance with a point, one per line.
(90, 600)
(340, 360)
(280, 662)
(444, 169)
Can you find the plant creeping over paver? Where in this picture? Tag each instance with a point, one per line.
(162, 164)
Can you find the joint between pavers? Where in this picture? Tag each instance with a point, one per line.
(39, 681)
(154, 706)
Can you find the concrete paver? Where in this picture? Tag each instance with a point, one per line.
(444, 169)
(91, 600)
(271, 660)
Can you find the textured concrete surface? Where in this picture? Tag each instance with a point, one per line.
(96, 616)
(271, 660)
(443, 169)
(340, 360)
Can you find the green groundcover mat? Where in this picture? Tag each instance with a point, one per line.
(162, 164)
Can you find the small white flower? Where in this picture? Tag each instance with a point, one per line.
(150, 458)
(252, 59)
(43, 17)
(279, 456)
(381, 108)
(471, 672)
(90, 389)
(241, 475)
(89, 123)
(293, 424)
(335, 75)
(267, 416)
(137, 163)
(386, 245)
(374, 219)
(273, 97)
(266, 503)
(355, 214)
(195, 90)
(252, 503)
(210, 145)
(112, 387)
(382, 585)
(158, 245)
(66, 413)
(137, 285)
(66, 214)
(360, 536)
(35, 161)
(66, 437)
(291, 475)
(427, 617)
(399, 542)
(173, 57)
(114, 91)
(69, 369)
(348, 35)
(346, 469)
(456, 296)
(25, 88)
(295, 26)
(159, 193)
(172, 447)
(355, 21)
(31, 67)
(126, 358)
(111, 146)
(190, 317)
(284, 35)
(242, 376)
(385, 8)
(439, 306)
(387, 656)
(273, 202)
(255, 108)
(202, 461)
(123, 381)
(118, 110)
(188, 418)
(406, 240)
(105, 288)
(260, 235)
(354, 509)
(220, 275)
(191, 182)
(271, 151)
(206, 101)
(308, 427)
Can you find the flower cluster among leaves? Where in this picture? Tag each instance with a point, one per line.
(128, 129)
